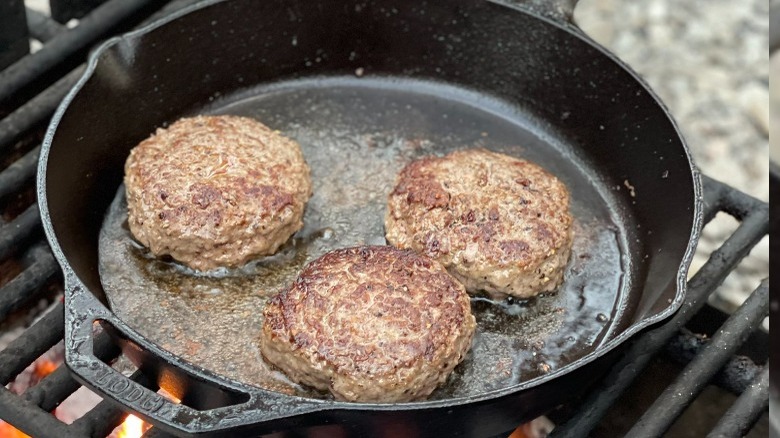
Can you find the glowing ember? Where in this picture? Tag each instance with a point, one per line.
(35, 372)
(44, 367)
(29, 377)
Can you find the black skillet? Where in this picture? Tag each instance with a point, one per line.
(353, 80)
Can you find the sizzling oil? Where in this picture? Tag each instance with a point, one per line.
(356, 135)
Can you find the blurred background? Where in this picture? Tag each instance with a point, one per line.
(774, 68)
(707, 60)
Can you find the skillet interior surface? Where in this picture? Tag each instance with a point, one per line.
(356, 135)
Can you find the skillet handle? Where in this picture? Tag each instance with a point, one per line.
(88, 369)
(223, 404)
(561, 11)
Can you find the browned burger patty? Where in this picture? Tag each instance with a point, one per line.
(214, 191)
(370, 324)
(497, 223)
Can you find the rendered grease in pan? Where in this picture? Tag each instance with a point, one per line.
(356, 135)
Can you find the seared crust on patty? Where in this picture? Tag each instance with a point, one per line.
(214, 191)
(370, 324)
(497, 223)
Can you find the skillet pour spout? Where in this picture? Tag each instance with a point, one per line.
(521, 74)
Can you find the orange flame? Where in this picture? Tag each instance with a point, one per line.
(132, 427)
(8, 431)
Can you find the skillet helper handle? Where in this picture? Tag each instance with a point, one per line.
(561, 11)
(135, 397)
(81, 345)
(101, 377)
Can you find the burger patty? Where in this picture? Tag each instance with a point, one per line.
(370, 324)
(216, 191)
(499, 224)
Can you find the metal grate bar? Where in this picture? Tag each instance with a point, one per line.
(732, 201)
(20, 172)
(104, 417)
(100, 421)
(57, 386)
(64, 10)
(30, 419)
(97, 24)
(23, 350)
(28, 284)
(744, 413)
(156, 433)
(721, 262)
(35, 403)
(39, 109)
(41, 27)
(13, 32)
(713, 195)
(677, 396)
(14, 232)
(30, 413)
(104, 348)
(52, 390)
(35, 112)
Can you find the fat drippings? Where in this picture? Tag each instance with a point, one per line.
(356, 138)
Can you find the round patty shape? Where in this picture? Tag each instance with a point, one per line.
(216, 191)
(499, 224)
(370, 324)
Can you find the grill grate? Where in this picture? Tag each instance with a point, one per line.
(13, 33)
(754, 217)
(30, 90)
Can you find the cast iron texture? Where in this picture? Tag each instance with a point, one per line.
(548, 70)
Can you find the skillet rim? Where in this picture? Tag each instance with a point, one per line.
(319, 404)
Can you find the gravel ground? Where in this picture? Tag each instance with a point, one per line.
(707, 59)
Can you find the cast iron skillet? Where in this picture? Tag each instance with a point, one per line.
(520, 65)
